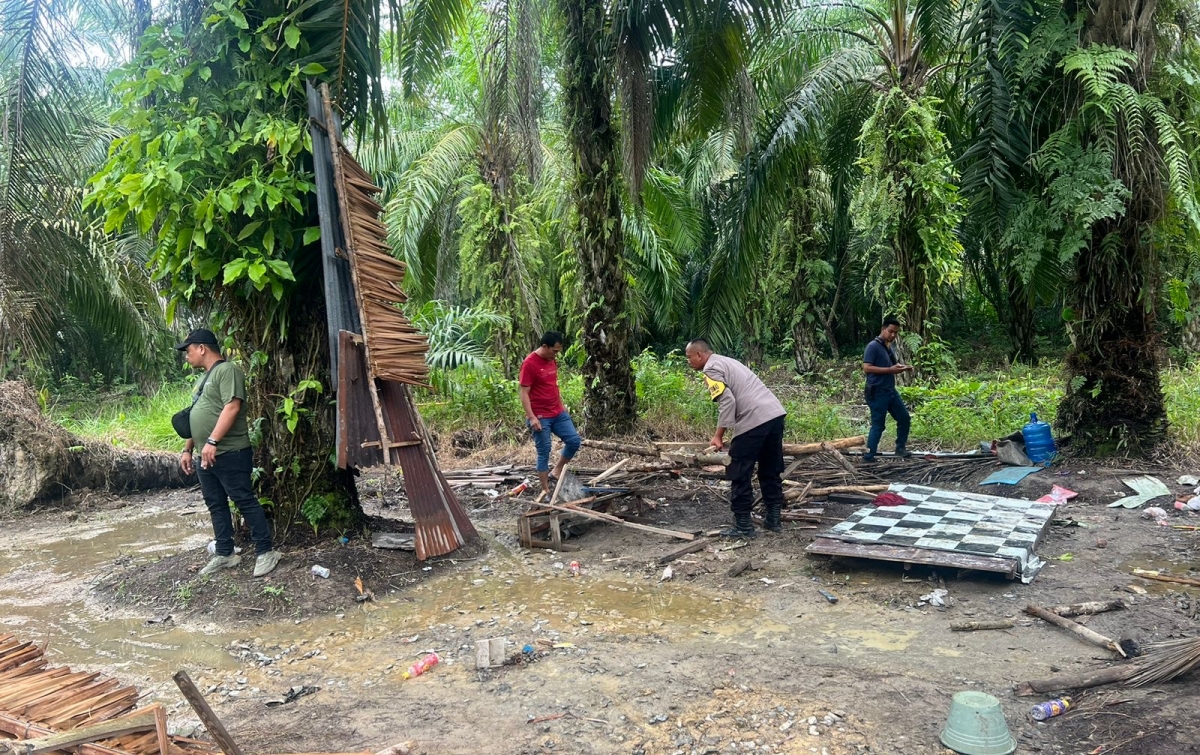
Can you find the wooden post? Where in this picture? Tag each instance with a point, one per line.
(1088, 608)
(972, 626)
(206, 715)
(1073, 681)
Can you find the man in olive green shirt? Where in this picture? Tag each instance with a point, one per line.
(218, 421)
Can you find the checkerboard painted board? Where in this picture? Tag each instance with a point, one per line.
(949, 520)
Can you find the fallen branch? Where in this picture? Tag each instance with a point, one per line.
(1088, 608)
(1072, 681)
(973, 626)
(1165, 577)
(1079, 630)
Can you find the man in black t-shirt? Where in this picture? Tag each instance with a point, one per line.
(881, 367)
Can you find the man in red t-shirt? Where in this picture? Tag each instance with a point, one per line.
(544, 410)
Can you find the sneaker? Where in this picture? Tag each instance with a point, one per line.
(266, 563)
(217, 563)
(903, 453)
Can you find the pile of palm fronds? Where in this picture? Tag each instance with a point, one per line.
(1165, 661)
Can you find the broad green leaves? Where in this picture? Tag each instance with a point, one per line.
(214, 170)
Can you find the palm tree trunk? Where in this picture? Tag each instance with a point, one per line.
(1020, 320)
(1114, 400)
(609, 397)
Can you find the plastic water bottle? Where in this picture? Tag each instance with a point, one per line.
(320, 571)
(1050, 709)
(1039, 442)
(421, 666)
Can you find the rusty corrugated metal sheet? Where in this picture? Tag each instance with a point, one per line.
(355, 412)
(442, 525)
(344, 194)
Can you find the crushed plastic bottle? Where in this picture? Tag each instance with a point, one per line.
(421, 666)
(574, 568)
(320, 571)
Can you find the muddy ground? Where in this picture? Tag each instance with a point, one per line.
(621, 661)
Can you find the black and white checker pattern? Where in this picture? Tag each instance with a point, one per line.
(953, 521)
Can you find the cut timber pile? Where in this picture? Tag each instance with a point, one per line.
(41, 703)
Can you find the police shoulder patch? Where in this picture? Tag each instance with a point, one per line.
(715, 387)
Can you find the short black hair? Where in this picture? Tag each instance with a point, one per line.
(552, 338)
(699, 344)
(891, 320)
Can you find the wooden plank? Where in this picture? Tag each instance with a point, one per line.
(588, 514)
(142, 720)
(830, 547)
(160, 730)
(206, 715)
(692, 547)
(22, 729)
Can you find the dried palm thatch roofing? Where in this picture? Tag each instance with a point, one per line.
(395, 348)
(39, 700)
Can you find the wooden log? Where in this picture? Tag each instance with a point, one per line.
(841, 444)
(213, 724)
(141, 720)
(1166, 578)
(621, 448)
(1079, 630)
(1072, 681)
(587, 514)
(973, 626)
(1088, 608)
(871, 490)
(698, 460)
(692, 547)
(738, 568)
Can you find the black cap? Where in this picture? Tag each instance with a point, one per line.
(202, 336)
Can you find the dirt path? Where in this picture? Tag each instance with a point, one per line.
(621, 662)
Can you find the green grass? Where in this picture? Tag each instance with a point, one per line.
(126, 420)
(954, 413)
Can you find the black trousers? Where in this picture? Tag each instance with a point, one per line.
(229, 479)
(762, 445)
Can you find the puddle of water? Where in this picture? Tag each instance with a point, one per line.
(45, 576)
(1155, 562)
(875, 639)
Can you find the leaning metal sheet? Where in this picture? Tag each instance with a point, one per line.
(949, 520)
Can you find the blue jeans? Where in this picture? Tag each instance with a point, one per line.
(564, 428)
(885, 401)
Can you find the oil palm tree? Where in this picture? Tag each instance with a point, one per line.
(64, 286)
(834, 70)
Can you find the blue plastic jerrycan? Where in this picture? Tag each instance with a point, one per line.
(1039, 442)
